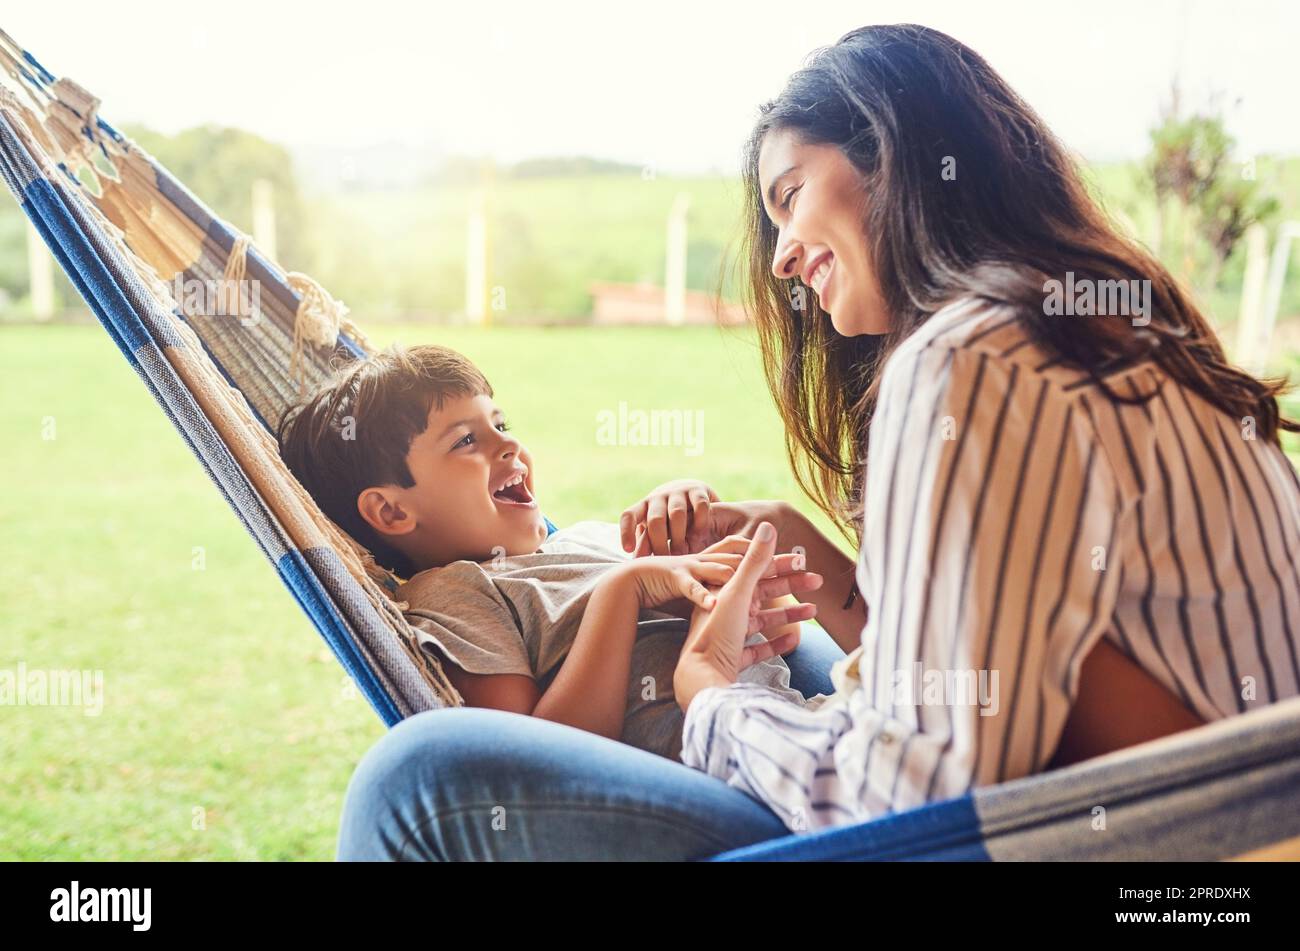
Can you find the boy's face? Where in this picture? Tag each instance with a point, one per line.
(473, 496)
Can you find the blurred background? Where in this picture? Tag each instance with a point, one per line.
(552, 190)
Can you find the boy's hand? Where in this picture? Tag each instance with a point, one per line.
(686, 516)
(671, 519)
(662, 579)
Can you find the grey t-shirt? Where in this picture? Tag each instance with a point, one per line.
(520, 615)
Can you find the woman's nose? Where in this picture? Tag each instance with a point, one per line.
(785, 263)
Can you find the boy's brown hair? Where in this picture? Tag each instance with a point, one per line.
(356, 431)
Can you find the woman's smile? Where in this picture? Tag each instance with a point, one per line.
(819, 278)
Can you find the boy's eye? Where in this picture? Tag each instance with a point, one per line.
(469, 440)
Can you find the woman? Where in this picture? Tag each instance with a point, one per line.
(1062, 491)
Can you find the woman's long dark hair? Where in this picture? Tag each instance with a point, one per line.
(902, 103)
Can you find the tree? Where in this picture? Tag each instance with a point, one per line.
(1211, 199)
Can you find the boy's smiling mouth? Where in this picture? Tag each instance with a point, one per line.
(513, 490)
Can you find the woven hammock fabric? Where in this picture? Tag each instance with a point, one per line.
(1221, 791)
(124, 230)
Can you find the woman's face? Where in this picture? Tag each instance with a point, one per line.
(816, 199)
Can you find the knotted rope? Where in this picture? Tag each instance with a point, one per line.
(232, 300)
(317, 321)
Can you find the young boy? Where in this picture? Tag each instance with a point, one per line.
(407, 452)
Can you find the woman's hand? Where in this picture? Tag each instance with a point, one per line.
(743, 518)
(715, 653)
(842, 615)
(668, 520)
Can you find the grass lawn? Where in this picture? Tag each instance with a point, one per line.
(228, 731)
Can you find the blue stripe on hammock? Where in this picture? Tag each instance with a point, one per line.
(315, 601)
(88, 274)
(45, 73)
(943, 831)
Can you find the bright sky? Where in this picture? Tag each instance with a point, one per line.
(673, 82)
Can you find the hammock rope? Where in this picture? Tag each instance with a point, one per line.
(318, 320)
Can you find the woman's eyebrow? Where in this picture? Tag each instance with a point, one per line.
(771, 189)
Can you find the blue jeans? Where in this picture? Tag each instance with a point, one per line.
(467, 784)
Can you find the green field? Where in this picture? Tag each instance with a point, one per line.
(228, 730)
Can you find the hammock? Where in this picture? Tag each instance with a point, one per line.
(130, 237)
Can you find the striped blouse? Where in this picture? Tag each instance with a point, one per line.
(1014, 515)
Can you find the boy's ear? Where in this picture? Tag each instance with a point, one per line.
(382, 511)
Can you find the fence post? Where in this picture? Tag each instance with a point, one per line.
(264, 218)
(675, 278)
(476, 253)
(40, 270)
(1252, 296)
(1288, 232)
